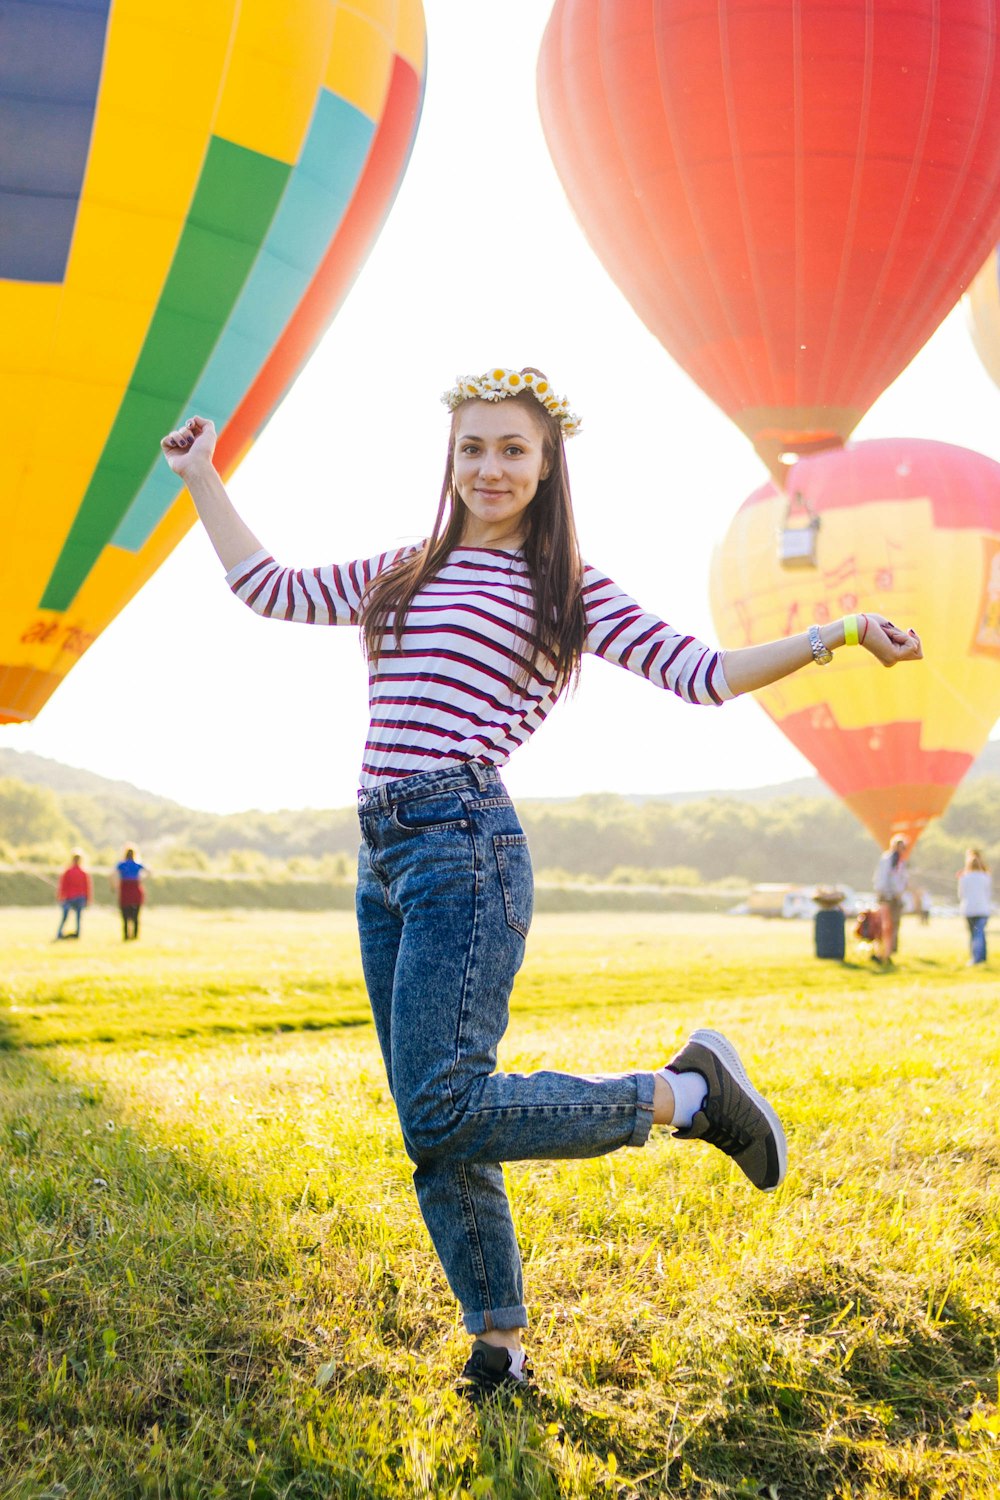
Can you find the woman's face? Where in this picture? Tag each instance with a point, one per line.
(499, 461)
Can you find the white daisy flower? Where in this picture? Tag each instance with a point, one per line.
(498, 383)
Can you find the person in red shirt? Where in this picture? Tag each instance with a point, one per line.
(75, 890)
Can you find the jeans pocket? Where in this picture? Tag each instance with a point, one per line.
(435, 813)
(516, 880)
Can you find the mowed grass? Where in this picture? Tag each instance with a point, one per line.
(214, 1281)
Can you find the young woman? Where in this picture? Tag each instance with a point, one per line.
(471, 638)
(975, 896)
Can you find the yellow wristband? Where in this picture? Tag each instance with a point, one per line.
(850, 630)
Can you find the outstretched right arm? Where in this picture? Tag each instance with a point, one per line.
(188, 451)
(330, 595)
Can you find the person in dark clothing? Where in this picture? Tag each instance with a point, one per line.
(127, 881)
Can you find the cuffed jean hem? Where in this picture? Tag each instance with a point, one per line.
(495, 1318)
(643, 1110)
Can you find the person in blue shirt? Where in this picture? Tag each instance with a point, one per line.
(127, 881)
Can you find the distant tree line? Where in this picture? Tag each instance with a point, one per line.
(719, 841)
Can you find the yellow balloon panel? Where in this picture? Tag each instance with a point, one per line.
(143, 167)
(192, 225)
(755, 599)
(278, 62)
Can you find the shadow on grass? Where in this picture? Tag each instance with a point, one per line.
(143, 1295)
(810, 1404)
(155, 1300)
(56, 1020)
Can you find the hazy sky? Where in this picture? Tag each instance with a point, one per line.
(481, 262)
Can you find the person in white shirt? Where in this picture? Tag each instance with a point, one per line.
(890, 881)
(975, 898)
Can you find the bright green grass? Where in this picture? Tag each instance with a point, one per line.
(214, 1281)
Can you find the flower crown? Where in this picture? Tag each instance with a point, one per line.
(496, 384)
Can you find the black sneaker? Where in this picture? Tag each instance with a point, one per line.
(487, 1373)
(734, 1116)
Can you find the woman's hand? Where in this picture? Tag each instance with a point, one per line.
(189, 445)
(189, 452)
(887, 642)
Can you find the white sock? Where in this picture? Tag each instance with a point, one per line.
(517, 1359)
(690, 1090)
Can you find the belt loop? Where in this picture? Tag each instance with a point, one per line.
(479, 774)
(383, 797)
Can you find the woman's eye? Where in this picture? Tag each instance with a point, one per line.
(515, 451)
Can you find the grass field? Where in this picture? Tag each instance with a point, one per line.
(214, 1281)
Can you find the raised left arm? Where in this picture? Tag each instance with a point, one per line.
(750, 667)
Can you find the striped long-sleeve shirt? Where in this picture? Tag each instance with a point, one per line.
(455, 689)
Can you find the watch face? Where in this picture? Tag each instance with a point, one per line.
(821, 653)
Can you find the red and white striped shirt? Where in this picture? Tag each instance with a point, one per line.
(454, 690)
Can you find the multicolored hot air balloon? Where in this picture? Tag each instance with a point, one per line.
(187, 194)
(791, 193)
(982, 305)
(907, 528)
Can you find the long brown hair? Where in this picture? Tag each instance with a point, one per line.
(975, 861)
(557, 634)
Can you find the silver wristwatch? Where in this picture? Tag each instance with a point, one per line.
(821, 654)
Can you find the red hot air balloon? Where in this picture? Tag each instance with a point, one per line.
(908, 528)
(791, 195)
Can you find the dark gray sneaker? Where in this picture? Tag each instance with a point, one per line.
(734, 1116)
(487, 1374)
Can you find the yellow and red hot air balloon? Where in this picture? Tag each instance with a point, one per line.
(791, 193)
(188, 193)
(910, 529)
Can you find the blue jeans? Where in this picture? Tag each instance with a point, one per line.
(977, 938)
(74, 904)
(444, 903)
